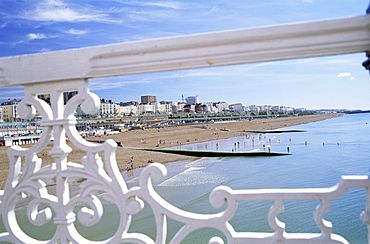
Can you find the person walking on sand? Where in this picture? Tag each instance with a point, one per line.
(131, 166)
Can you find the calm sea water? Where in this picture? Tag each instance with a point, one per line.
(320, 156)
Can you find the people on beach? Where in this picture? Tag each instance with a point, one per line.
(130, 170)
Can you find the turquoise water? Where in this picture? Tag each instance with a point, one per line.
(320, 156)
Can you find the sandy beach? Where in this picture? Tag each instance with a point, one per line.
(168, 137)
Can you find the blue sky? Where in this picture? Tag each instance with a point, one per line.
(327, 82)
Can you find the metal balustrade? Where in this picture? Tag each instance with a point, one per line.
(55, 72)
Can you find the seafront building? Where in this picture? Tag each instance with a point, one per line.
(9, 110)
(150, 105)
(192, 100)
(148, 99)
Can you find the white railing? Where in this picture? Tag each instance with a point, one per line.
(56, 72)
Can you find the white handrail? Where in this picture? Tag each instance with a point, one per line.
(68, 70)
(299, 40)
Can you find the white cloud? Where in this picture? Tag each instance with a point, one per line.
(344, 74)
(13, 92)
(114, 82)
(57, 11)
(4, 24)
(163, 4)
(213, 10)
(76, 32)
(33, 36)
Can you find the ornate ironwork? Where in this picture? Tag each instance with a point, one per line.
(47, 190)
(28, 181)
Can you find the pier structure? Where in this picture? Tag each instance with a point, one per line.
(70, 70)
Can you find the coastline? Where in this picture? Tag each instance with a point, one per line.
(169, 137)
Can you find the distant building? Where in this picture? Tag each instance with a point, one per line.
(222, 107)
(9, 110)
(146, 109)
(148, 99)
(107, 108)
(253, 109)
(45, 97)
(192, 100)
(299, 109)
(128, 109)
(275, 109)
(289, 110)
(68, 95)
(236, 107)
(210, 108)
(177, 107)
(189, 108)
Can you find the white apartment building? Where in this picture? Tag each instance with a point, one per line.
(210, 108)
(253, 109)
(267, 108)
(299, 109)
(177, 107)
(283, 109)
(146, 109)
(289, 110)
(222, 107)
(128, 109)
(9, 110)
(236, 107)
(163, 107)
(107, 108)
(275, 109)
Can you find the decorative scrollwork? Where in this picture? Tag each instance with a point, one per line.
(66, 192)
(274, 222)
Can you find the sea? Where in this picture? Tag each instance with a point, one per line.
(319, 156)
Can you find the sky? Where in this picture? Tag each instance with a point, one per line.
(332, 82)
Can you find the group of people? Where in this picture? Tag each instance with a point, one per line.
(161, 142)
(130, 168)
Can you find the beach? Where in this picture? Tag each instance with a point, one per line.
(167, 137)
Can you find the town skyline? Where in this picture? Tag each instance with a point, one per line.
(149, 105)
(334, 82)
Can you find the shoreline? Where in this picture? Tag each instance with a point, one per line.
(167, 137)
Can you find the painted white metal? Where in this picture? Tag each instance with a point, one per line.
(299, 40)
(56, 72)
